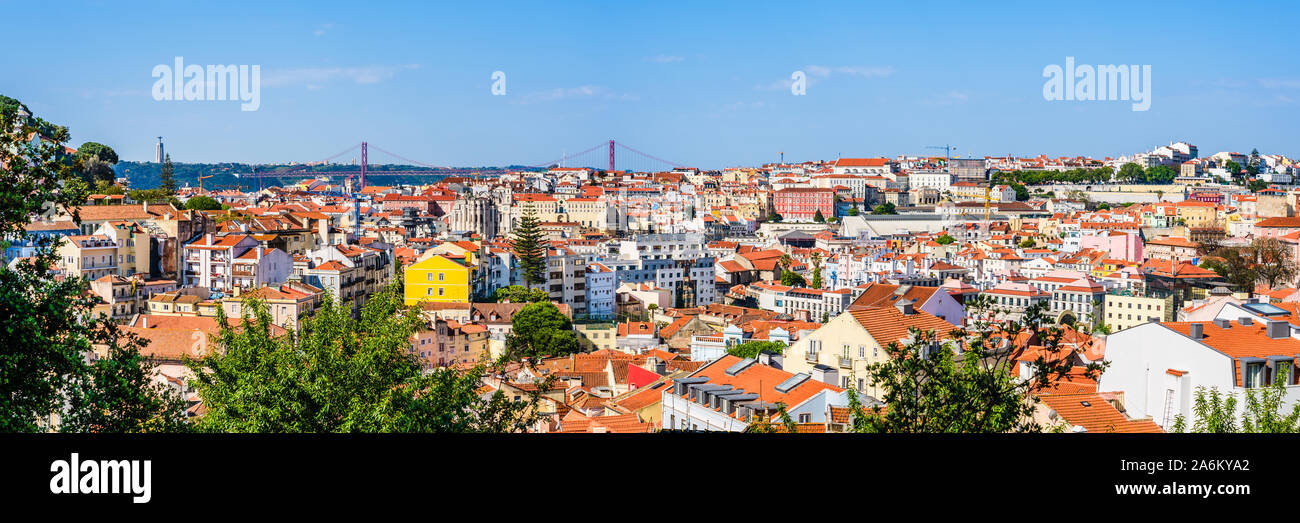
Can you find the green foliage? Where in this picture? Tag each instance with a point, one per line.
(1027, 243)
(965, 383)
(1264, 260)
(521, 294)
(817, 278)
(762, 424)
(1098, 175)
(97, 150)
(944, 239)
(1160, 174)
(853, 211)
(118, 394)
(529, 242)
(202, 203)
(750, 349)
(109, 188)
(884, 208)
(158, 196)
(818, 217)
(1022, 193)
(339, 374)
(1262, 412)
(1131, 172)
(793, 279)
(540, 329)
(167, 176)
(1257, 185)
(46, 323)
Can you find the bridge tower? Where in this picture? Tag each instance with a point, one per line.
(365, 159)
(611, 155)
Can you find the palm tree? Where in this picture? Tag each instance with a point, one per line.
(786, 261)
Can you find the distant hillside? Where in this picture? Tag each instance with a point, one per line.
(145, 175)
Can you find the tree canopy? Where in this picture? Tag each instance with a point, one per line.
(47, 324)
(750, 349)
(339, 374)
(962, 381)
(540, 329)
(521, 294)
(203, 203)
(529, 242)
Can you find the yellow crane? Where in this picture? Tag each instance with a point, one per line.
(201, 178)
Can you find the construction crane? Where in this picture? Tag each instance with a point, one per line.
(947, 154)
(201, 178)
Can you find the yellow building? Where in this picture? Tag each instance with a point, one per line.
(438, 278)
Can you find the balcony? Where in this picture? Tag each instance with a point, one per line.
(846, 362)
(810, 356)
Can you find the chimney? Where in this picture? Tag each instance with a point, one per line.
(1223, 323)
(146, 206)
(144, 322)
(208, 238)
(1277, 329)
(1245, 321)
(905, 307)
(825, 374)
(1197, 331)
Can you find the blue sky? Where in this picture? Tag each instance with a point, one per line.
(701, 83)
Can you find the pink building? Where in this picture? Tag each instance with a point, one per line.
(1120, 245)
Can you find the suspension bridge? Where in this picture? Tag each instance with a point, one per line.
(604, 155)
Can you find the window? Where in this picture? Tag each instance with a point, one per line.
(1282, 371)
(805, 418)
(441, 291)
(1254, 375)
(442, 276)
(428, 276)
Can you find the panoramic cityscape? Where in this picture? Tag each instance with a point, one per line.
(694, 219)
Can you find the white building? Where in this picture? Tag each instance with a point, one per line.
(600, 290)
(1159, 366)
(728, 394)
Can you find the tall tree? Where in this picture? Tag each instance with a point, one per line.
(540, 329)
(816, 259)
(529, 242)
(1131, 172)
(1273, 261)
(338, 374)
(167, 179)
(965, 383)
(119, 394)
(47, 324)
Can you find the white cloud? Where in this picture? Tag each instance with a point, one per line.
(817, 72)
(316, 77)
(949, 98)
(568, 93)
(322, 29)
(664, 59)
(1280, 83)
